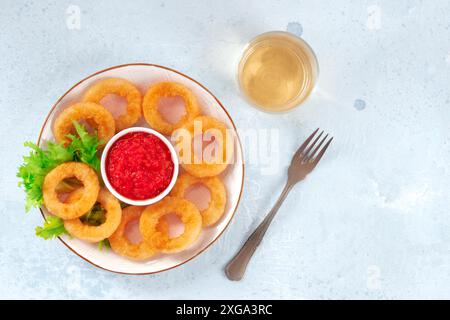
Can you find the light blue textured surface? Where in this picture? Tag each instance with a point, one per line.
(371, 222)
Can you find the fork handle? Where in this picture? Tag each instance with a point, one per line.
(235, 269)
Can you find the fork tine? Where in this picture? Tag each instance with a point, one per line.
(306, 153)
(319, 156)
(304, 145)
(311, 156)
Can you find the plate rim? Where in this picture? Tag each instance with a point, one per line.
(237, 138)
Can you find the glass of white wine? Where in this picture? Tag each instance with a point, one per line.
(277, 71)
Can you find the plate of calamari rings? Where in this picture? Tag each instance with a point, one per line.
(138, 169)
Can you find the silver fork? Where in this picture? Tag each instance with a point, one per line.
(303, 162)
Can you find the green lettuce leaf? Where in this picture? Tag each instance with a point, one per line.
(53, 227)
(36, 166)
(83, 148)
(104, 244)
(95, 217)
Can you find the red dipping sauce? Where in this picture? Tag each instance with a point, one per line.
(139, 166)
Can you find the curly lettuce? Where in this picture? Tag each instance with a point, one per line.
(82, 148)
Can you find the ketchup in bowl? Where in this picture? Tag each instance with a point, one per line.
(139, 165)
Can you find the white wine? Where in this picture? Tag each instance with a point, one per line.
(277, 71)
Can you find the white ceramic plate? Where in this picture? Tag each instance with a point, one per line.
(143, 75)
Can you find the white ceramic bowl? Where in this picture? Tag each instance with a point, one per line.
(119, 196)
(143, 75)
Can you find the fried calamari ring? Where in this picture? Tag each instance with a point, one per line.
(206, 167)
(123, 246)
(124, 89)
(93, 113)
(85, 174)
(216, 206)
(168, 89)
(91, 233)
(185, 210)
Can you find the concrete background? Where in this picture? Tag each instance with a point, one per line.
(371, 222)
